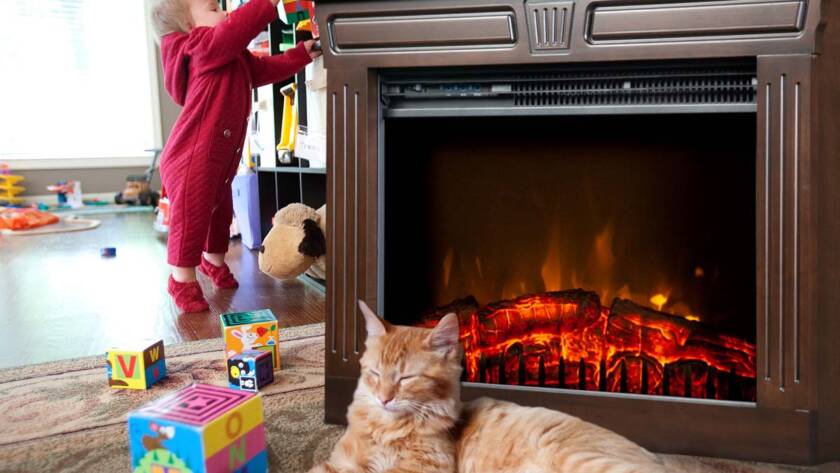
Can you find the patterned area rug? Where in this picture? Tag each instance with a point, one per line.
(63, 417)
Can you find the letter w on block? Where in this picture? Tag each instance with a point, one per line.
(130, 371)
(154, 353)
(236, 454)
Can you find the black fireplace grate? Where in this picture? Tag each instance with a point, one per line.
(650, 86)
(683, 87)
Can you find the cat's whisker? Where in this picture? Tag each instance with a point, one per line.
(423, 410)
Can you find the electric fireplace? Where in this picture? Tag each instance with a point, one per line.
(630, 205)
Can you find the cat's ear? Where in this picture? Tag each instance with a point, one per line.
(445, 335)
(375, 326)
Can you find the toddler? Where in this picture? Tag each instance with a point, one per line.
(208, 70)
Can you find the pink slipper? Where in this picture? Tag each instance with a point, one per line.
(188, 296)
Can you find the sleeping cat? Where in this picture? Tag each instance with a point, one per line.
(406, 416)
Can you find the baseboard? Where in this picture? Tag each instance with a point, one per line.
(51, 199)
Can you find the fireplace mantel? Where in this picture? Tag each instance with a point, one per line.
(795, 46)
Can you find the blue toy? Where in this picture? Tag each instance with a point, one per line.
(250, 370)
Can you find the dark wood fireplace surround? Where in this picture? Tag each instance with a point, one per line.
(796, 46)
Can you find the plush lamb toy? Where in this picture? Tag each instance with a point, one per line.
(296, 243)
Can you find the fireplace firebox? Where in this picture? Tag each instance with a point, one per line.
(631, 206)
(650, 214)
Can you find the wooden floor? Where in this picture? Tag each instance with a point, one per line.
(59, 299)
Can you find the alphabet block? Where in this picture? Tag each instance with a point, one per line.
(199, 429)
(136, 367)
(250, 370)
(251, 331)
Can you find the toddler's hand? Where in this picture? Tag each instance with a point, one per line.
(309, 45)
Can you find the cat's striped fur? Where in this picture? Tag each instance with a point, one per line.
(406, 416)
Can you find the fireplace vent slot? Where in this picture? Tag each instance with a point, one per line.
(675, 88)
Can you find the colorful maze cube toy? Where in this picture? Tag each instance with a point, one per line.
(251, 331)
(250, 370)
(199, 429)
(136, 367)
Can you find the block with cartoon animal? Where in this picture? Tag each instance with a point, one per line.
(137, 366)
(250, 370)
(255, 330)
(199, 429)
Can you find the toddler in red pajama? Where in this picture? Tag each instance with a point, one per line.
(208, 70)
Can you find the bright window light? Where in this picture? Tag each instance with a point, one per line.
(74, 79)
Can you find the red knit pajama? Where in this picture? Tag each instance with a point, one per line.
(210, 72)
(202, 209)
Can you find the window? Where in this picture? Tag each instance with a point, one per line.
(75, 79)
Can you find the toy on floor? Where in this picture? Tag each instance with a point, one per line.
(250, 370)
(296, 244)
(24, 219)
(200, 428)
(136, 367)
(10, 187)
(161, 224)
(108, 252)
(138, 190)
(68, 223)
(68, 193)
(255, 330)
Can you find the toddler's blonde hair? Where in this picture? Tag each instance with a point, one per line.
(170, 16)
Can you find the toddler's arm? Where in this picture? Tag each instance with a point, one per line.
(271, 69)
(226, 40)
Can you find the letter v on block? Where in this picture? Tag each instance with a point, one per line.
(132, 364)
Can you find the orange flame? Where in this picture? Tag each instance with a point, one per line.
(659, 300)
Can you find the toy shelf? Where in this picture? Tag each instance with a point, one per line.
(279, 187)
(282, 184)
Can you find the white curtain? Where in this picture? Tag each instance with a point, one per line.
(74, 79)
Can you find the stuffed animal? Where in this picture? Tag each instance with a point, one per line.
(296, 243)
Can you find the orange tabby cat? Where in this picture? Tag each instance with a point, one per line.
(501, 436)
(407, 401)
(406, 407)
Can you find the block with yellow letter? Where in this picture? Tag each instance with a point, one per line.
(256, 330)
(199, 429)
(136, 367)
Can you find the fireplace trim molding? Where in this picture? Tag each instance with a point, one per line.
(796, 418)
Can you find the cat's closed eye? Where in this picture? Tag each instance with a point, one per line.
(374, 372)
(408, 377)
